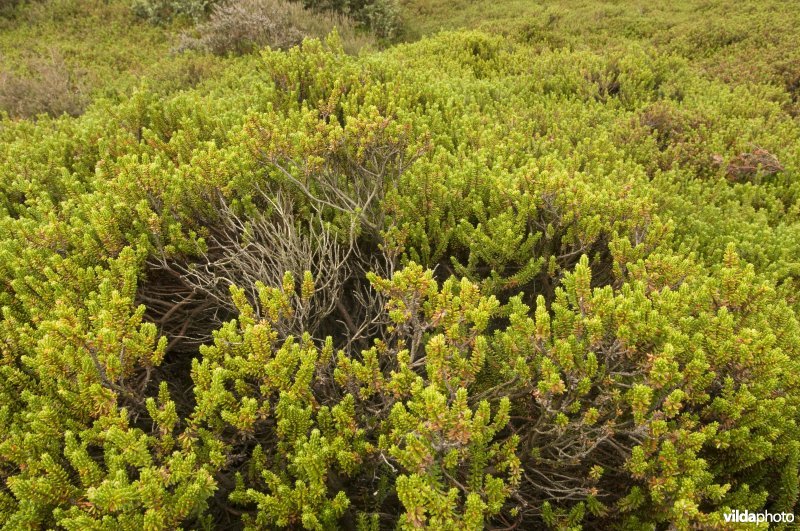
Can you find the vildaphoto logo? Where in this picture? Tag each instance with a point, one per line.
(744, 517)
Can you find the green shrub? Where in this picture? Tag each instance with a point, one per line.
(383, 17)
(380, 16)
(458, 284)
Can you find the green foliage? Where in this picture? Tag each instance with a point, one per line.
(739, 42)
(566, 294)
(384, 18)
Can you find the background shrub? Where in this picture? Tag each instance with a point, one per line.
(381, 16)
(100, 49)
(6, 6)
(48, 86)
(163, 11)
(243, 26)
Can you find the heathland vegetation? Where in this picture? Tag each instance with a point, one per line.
(416, 264)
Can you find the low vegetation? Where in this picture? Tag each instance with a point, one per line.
(491, 279)
(58, 56)
(736, 42)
